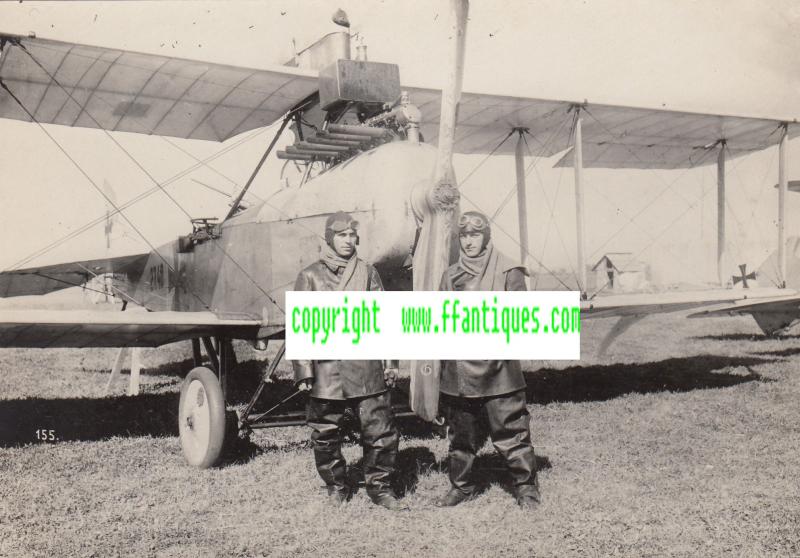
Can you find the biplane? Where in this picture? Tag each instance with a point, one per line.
(370, 145)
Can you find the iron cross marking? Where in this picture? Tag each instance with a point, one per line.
(744, 277)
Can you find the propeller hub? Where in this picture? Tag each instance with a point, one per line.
(444, 196)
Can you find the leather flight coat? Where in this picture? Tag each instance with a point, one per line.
(339, 379)
(480, 378)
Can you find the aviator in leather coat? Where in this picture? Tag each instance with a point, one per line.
(339, 379)
(480, 378)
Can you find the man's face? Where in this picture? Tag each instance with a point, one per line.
(471, 243)
(344, 243)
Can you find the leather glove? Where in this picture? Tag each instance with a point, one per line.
(390, 377)
(305, 384)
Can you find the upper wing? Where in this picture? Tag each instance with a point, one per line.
(613, 136)
(111, 89)
(95, 328)
(46, 279)
(94, 87)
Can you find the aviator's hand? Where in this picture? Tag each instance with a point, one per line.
(305, 384)
(390, 377)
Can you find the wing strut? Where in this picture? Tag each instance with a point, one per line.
(782, 206)
(522, 202)
(579, 222)
(721, 213)
(286, 119)
(620, 326)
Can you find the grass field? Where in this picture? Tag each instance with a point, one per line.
(683, 441)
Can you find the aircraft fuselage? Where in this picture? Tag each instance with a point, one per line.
(246, 270)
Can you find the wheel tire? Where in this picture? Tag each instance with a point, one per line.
(201, 418)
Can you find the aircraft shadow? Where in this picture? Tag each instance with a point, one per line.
(415, 461)
(742, 337)
(90, 419)
(581, 384)
(781, 353)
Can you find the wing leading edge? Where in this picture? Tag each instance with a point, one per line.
(95, 87)
(94, 328)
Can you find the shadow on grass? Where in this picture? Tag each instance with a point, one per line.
(781, 353)
(602, 382)
(149, 414)
(488, 469)
(742, 337)
(180, 368)
(88, 418)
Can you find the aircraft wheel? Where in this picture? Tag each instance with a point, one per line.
(201, 418)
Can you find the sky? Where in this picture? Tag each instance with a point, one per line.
(718, 56)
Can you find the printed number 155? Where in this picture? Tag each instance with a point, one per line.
(46, 435)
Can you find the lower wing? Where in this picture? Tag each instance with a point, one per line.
(771, 314)
(656, 303)
(94, 328)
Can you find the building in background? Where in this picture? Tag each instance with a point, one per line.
(620, 271)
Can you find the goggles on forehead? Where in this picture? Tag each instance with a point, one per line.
(339, 226)
(473, 221)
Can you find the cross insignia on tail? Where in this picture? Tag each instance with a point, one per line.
(744, 277)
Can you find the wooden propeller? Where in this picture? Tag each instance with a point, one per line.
(436, 206)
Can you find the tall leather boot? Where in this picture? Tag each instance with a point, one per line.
(380, 441)
(509, 424)
(323, 417)
(466, 438)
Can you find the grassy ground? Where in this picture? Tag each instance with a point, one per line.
(678, 443)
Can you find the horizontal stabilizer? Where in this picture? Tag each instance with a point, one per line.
(50, 278)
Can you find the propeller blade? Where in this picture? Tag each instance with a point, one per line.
(435, 205)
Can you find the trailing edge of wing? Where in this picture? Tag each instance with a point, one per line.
(95, 87)
(93, 328)
(50, 278)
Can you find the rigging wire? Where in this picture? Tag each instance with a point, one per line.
(656, 238)
(209, 167)
(136, 162)
(486, 158)
(668, 185)
(752, 221)
(551, 222)
(129, 203)
(532, 166)
(493, 221)
(92, 182)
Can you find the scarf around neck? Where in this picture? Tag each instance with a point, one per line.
(355, 275)
(487, 267)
